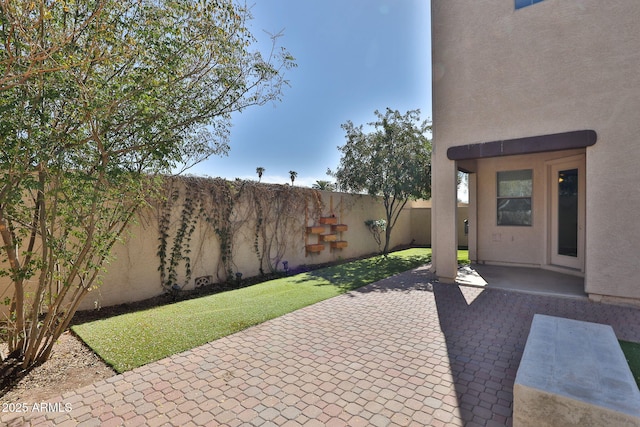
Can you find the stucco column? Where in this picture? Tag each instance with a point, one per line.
(472, 238)
(443, 222)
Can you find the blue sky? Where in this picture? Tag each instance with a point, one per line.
(353, 56)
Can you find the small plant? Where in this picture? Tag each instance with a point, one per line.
(377, 227)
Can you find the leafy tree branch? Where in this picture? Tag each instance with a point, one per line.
(392, 162)
(99, 99)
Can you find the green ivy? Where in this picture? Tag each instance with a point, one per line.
(274, 210)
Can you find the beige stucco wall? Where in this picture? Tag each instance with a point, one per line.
(134, 274)
(421, 223)
(556, 66)
(518, 245)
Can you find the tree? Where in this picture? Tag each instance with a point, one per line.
(293, 175)
(323, 185)
(99, 99)
(31, 59)
(393, 162)
(259, 171)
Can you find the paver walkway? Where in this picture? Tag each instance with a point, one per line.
(403, 351)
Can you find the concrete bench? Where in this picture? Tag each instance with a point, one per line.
(574, 373)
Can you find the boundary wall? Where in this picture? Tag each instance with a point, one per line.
(135, 274)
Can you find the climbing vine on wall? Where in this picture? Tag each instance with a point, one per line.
(179, 252)
(275, 213)
(221, 197)
(279, 213)
(165, 206)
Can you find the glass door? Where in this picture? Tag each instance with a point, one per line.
(567, 214)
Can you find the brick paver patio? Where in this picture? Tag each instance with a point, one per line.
(403, 351)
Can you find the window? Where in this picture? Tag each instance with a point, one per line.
(514, 197)
(524, 3)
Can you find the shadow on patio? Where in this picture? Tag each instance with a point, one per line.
(485, 329)
(524, 279)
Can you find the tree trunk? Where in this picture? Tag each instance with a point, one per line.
(14, 264)
(387, 237)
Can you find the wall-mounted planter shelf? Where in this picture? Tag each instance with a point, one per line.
(315, 248)
(316, 229)
(326, 233)
(328, 237)
(339, 244)
(328, 220)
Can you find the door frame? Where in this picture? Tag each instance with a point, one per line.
(553, 258)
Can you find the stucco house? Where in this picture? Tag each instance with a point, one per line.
(539, 101)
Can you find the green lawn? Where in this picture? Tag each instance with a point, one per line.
(134, 339)
(463, 256)
(631, 351)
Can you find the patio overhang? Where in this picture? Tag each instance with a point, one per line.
(528, 145)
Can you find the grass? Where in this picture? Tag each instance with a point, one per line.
(631, 352)
(134, 339)
(463, 256)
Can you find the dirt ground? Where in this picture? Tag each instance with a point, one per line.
(72, 365)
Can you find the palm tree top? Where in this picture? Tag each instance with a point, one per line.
(324, 185)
